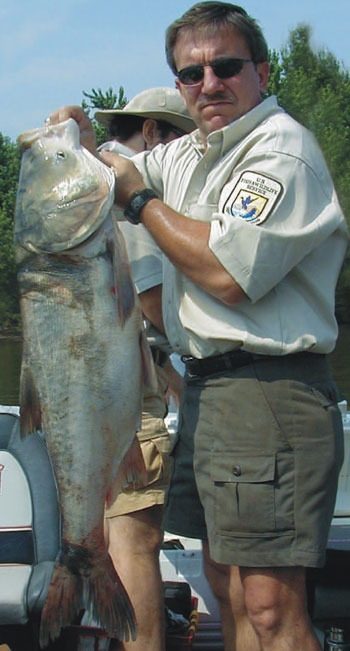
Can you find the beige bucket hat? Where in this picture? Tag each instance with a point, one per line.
(161, 103)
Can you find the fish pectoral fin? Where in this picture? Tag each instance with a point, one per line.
(149, 377)
(125, 292)
(30, 420)
(132, 471)
(124, 288)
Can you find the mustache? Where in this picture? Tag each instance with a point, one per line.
(204, 100)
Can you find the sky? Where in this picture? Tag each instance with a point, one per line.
(50, 52)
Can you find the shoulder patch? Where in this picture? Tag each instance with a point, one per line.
(253, 197)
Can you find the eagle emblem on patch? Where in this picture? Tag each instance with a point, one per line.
(253, 197)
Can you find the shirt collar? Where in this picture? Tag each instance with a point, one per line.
(229, 136)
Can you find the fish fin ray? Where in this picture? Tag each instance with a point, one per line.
(123, 284)
(30, 420)
(125, 293)
(63, 603)
(107, 601)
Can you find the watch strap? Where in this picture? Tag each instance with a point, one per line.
(138, 200)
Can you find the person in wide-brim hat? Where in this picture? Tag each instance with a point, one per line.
(161, 103)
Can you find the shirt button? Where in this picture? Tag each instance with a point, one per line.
(237, 471)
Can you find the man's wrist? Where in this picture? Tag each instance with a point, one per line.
(136, 202)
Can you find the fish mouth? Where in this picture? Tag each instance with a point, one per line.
(68, 194)
(76, 200)
(60, 230)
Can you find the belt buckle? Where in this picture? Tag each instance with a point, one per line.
(189, 360)
(186, 358)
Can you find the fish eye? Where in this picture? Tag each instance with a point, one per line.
(60, 155)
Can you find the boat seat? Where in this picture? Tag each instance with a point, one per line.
(29, 522)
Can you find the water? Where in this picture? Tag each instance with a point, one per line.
(11, 351)
(10, 364)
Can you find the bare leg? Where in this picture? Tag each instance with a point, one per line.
(134, 542)
(276, 604)
(225, 581)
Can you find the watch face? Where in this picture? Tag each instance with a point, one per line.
(137, 202)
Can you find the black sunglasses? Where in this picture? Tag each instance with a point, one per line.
(222, 68)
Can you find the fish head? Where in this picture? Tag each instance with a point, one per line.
(64, 193)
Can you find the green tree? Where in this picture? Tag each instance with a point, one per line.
(9, 170)
(315, 89)
(97, 99)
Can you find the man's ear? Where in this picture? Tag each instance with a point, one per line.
(150, 133)
(178, 85)
(263, 70)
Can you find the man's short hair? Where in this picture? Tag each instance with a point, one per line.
(123, 127)
(208, 17)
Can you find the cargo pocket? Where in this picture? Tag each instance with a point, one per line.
(153, 461)
(244, 493)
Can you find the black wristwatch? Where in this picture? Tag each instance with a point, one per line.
(138, 200)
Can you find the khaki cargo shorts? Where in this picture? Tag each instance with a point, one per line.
(155, 445)
(256, 463)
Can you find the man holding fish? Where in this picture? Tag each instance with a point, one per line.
(254, 237)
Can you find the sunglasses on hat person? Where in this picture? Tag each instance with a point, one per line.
(222, 68)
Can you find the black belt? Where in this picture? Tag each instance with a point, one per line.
(231, 360)
(159, 356)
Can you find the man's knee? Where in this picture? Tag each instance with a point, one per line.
(264, 616)
(273, 596)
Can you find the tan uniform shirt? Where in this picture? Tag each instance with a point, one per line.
(276, 226)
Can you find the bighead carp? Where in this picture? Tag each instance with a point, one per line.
(81, 378)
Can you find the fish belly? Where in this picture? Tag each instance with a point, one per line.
(84, 370)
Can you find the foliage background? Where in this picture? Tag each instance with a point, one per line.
(312, 86)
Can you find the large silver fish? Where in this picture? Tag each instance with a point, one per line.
(82, 361)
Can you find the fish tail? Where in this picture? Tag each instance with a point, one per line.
(106, 600)
(63, 603)
(92, 584)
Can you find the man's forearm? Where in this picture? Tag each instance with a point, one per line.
(185, 242)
